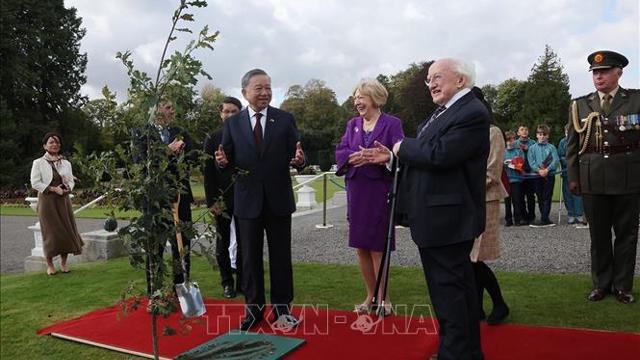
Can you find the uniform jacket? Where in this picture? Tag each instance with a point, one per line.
(268, 183)
(42, 174)
(443, 185)
(618, 173)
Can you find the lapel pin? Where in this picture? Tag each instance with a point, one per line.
(271, 120)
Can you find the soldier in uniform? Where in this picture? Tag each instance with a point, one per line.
(603, 159)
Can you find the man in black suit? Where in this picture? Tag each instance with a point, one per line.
(177, 141)
(442, 194)
(263, 140)
(220, 182)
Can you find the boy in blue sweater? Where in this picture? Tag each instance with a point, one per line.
(573, 203)
(543, 159)
(515, 181)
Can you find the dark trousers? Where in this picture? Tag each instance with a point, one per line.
(184, 214)
(486, 280)
(528, 199)
(251, 241)
(513, 201)
(544, 193)
(451, 283)
(223, 225)
(612, 264)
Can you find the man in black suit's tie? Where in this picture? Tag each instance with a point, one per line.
(442, 194)
(263, 140)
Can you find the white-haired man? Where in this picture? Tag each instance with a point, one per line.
(442, 194)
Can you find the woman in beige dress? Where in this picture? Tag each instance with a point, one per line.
(52, 177)
(487, 245)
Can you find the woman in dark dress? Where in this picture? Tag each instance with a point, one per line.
(368, 185)
(52, 177)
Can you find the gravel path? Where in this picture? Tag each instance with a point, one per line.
(560, 249)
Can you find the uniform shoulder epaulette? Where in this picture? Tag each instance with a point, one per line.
(582, 97)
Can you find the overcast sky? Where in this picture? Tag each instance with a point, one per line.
(341, 42)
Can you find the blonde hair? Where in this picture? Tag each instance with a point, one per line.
(373, 89)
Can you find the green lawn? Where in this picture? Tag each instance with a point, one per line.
(32, 301)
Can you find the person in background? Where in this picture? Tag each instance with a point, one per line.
(367, 184)
(603, 158)
(177, 142)
(573, 203)
(219, 182)
(543, 159)
(514, 159)
(528, 184)
(487, 246)
(52, 177)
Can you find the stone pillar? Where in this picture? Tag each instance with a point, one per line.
(306, 194)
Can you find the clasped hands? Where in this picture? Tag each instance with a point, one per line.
(378, 154)
(60, 189)
(297, 160)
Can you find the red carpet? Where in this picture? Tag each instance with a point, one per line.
(331, 334)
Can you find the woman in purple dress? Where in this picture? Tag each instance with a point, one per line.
(367, 184)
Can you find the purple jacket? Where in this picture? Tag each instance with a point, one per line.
(388, 131)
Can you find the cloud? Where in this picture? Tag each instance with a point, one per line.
(341, 42)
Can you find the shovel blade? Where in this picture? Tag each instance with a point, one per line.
(190, 299)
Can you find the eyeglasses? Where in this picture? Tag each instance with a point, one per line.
(437, 78)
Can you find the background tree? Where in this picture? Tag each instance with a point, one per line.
(41, 75)
(319, 117)
(546, 95)
(508, 104)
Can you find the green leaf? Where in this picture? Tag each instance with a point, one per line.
(184, 30)
(187, 17)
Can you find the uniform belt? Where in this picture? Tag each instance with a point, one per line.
(613, 149)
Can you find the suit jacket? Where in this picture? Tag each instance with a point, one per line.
(619, 173)
(268, 183)
(388, 132)
(443, 185)
(216, 180)
(139, 142)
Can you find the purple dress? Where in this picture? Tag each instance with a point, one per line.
(369, 185)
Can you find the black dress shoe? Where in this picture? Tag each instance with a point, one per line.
(625, 297)
(248, 322)
(498, 314)
(597, 294)
(228, 291)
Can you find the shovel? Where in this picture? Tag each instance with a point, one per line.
(188, 292)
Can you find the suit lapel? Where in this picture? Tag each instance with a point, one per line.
(446, 116)
(270, 125)
(594, 102)
(620, 99)
(245, 128)
(377, 130)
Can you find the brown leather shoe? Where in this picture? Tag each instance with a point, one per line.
(597, 294)
(625, 297)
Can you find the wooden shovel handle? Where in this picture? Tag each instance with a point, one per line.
(176, 219)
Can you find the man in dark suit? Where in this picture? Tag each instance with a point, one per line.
(177, 141)
(263, 140)
(442, 194)
(219, 182)
(603, 164)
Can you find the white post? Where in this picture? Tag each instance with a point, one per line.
(306, 194)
